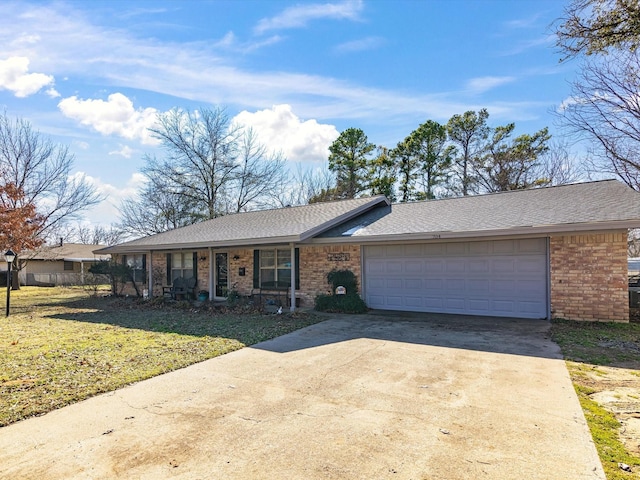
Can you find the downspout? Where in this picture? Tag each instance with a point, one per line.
(293, 277)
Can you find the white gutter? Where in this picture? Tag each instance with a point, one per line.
(543, 230)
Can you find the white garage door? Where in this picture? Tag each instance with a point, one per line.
(505, 278)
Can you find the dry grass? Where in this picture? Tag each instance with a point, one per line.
(60, 346)
(586, 345)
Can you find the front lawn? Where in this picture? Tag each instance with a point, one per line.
(59, 345)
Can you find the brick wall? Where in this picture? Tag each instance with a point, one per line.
(314, 266)
(317, 261)
(589, 276)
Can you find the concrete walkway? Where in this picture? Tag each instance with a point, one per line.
(376, 396)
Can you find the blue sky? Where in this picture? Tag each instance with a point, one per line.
(93, 74)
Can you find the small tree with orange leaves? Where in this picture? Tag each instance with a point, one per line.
(19, 225)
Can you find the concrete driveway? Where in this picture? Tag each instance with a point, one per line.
(379, 396)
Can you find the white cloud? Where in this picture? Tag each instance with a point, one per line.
(125, 151)
(68, 43)
(482, 84)
(14, 77)
(279, 129)
(299, 15)
(52, 92)
(116, 116)
(368, 43)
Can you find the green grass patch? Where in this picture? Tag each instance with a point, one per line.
(60, 346)
(584, 346)
(604, 431)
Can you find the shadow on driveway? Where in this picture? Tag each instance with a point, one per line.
(489, 334)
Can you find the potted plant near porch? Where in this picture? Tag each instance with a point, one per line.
(203, 296)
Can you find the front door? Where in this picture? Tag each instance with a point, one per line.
(222, 277)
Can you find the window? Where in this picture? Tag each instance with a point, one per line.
(68, 266)
(137, 263)
(273, 267)
(181, 264)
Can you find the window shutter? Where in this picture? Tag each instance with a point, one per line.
(168, 269)
(124, 259)
(256, 269)
(297, 272)
(195, 265)
(144, 269)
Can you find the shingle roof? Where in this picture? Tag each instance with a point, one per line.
(582, 206)
(290, 224)
(606, 204)
(73, 252)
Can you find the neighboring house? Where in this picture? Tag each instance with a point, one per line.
(539, 253)
(61, 264)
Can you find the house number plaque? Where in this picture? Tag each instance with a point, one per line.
(338, 257)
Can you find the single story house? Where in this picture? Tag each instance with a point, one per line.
(60, 264)
(539, 253)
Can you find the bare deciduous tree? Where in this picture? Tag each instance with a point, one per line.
(212, 167)
(42, 171)
(605, 109)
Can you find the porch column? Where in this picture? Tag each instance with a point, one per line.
(150, 273)
(293, 277)
(211, 287)
(82, 272)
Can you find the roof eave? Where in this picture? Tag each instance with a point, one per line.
(120, 249)
(539, 230)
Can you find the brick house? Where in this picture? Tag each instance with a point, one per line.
(539, 253)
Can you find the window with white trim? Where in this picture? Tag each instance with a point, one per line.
(181, 265)
(137, 264)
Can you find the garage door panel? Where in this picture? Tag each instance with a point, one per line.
(413, 268)
(393, 301)
(503, 266)
(479, 266)
(530, 288)
(455, 248)
(529, 307)
(506, 307)
(529, 266)
(478, 288)
(436, 303)
(504, 247)
(479, 305)
(413, 301)
(453, 266)
(395, 251)
(455, 304)
(433, 249)
(375, 267)
(506, 278)
(433, 266)
(393, 284)
(480, 248)
(532, 245)
(413, 284)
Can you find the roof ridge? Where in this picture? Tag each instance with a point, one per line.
(520, 190)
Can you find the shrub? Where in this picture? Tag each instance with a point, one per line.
(350, 303)
(344, 278)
